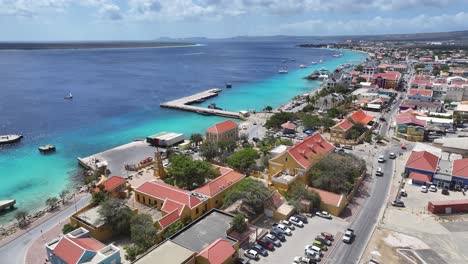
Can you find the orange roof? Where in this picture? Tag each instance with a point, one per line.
(289, 125)
(329, 198)
(427, 93)
(360, 117)
(419, 177)
(227, 178)
(309, 148)
(71, 250)
(275, 200)
(344, 125)
(170, 205)
(422, 160)
(218, 252)
(168, 219)
(390, 75)
(163, 191)
(111, 183)
(460, 168)
(222, 127)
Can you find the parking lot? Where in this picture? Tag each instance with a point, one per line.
(294, 245)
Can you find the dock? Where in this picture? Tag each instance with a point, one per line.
(185, 103)
(5, 204)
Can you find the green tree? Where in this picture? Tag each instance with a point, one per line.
(436, 71)
(20, 216)
(52, 202)
(356, 131)
(190, 173)
(209, 150)
(63, 194)
(67, 228)
(238, 223)
(268, 109)
(359, 68)
(227, 146)
(310, 122)
(142, 231)
(277, 119)
(116, 213)
(196, 138)
(360, 80)
(132, 252)
(299, 191)
(243, 160)
(172, 229)
(327, 122)
(250, 191)
(444, 68)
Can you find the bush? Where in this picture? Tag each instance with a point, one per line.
(243, 160)
(238, 223)
(251, 192)
(278, 119)
(67, 228)
(132, 252)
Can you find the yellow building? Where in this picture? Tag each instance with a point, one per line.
(339, 133)
(296, 161)
(409, 127)
(331, 202)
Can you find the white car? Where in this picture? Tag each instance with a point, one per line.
(273, 240)
(424, 189)
(284, 229)
(301, 260)
(295, 221)
(379, 172)
(312, 254)
(392, 155)
(433, 188)
(311, 249)
(288, 224)
(323, 214)
(251, 254)
(381, 159)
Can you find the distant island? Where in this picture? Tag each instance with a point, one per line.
(86, 45)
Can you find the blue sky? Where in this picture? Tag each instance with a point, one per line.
(56, 20)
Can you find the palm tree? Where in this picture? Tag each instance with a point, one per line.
(21, 217)
(52, 202)
(63, 195)
(196, 138)
(325, 102)
(333, 101)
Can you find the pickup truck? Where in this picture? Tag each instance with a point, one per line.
(348, 235)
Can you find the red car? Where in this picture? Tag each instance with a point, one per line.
(266, 244)
(327, 236)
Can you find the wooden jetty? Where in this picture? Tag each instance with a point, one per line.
(185, 104)
(5, 204)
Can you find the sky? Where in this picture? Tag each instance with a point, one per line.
(87, 20)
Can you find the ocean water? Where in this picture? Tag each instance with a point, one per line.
(117, 93)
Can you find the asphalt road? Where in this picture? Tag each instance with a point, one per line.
(14, 252)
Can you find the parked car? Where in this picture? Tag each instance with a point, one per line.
(278, 234)
(302, 218)
(327, 236)
(347, 147)
(302, 260)
(433, 188)
(424, 189)
(312, 254)
(273, 239)
(381, 159)
(283, 229)
(261, 250)
(288, 224)
(398, 203)
(266, 244)
(403, 193)
(445, 191)
(348, 236)
(320, 245)
(251, 254)
(312, 248)
(323, 214)
(392, 155)
(242, 261)
(323, 240)
(295, 221)
(379, 172)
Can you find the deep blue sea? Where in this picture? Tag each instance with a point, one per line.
(117, 93)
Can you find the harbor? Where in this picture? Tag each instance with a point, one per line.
(185, 103)
(7, 204)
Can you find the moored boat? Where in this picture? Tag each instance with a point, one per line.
(302, 66)
(228, 85)
(47, 148)
(282, 71)
(9, 139)
(69, 96)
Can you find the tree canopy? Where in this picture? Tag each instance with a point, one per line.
(337, 173)
(310, 122)
(142, 231)
(243, 160)
(276, 120)
(238, 223)
(116, 213)
(189, 173)
(209, 150)
(252, 192)
(196, 138)
(299, 191)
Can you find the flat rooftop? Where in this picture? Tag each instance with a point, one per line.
(167, 253)
(92, 217)
(204, 231)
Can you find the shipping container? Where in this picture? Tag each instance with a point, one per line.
(165, 139)
(448, 207)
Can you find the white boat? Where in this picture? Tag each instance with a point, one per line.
(302, 66)
(9, 139)
(314, 62)
(69, 96)
(282, 71)
(323, 77)
(320, 61)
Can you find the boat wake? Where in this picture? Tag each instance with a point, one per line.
(192, 54)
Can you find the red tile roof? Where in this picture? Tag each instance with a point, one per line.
(328, 198)
(460, 168)
(163, 191)
(354, 72)
(227, 178)
(289, 125)
(422, 160)
(275, 200)
(360, 117)
(168, 219)
(344, 125)
(71, 250)
(427, 93)
(407, 118)
(218, 252)
(222, 127)
(390, 75)
(111, 183)
(419, 177)
(310, 147)
(170, 205)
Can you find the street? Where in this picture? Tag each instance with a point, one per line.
(14, 252)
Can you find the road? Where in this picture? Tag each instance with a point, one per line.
(15, 251)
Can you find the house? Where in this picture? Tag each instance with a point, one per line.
(225, 130)
(460, 172)
(360, 117)
(295, 163)
(421, 82)
(289, 127)
(90, 219)
(387, 80)
(331, 202)
(176, 204)
(77, 247)
(422, 106)
(340, 131)
(409, 127)
(114, 186)
(420, 95)
(276, 207)
(206, 240)
(421, 166)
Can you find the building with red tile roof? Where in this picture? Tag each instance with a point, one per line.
(460, 172)
(223, 131)
(409, 127)
(77, 247)
(409, 119)
(419, 178)
(420, 95)
(360, 117)
(387, 80)
(218, 252)
(114, 186)
(331, 202)
(422, 162)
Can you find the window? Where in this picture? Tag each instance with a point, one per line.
(138, 197)
(196, 210)
(216, 202)
(144, 200)
(286, 159)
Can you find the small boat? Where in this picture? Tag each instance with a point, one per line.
(321, 61)
(46, 148)
(302, 66)
(282, 71)
(9, 139)
(314, 62)
(69, 96)
(228, 85)
(216, 90)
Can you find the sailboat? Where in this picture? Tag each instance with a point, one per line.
(69, 96)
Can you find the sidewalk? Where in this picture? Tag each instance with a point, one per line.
(37, 253)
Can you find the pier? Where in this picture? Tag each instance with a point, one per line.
(4, 204)
(185, 103)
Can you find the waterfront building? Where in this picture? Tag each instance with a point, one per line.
(387, 80)
(223, 131)
(114, 186)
